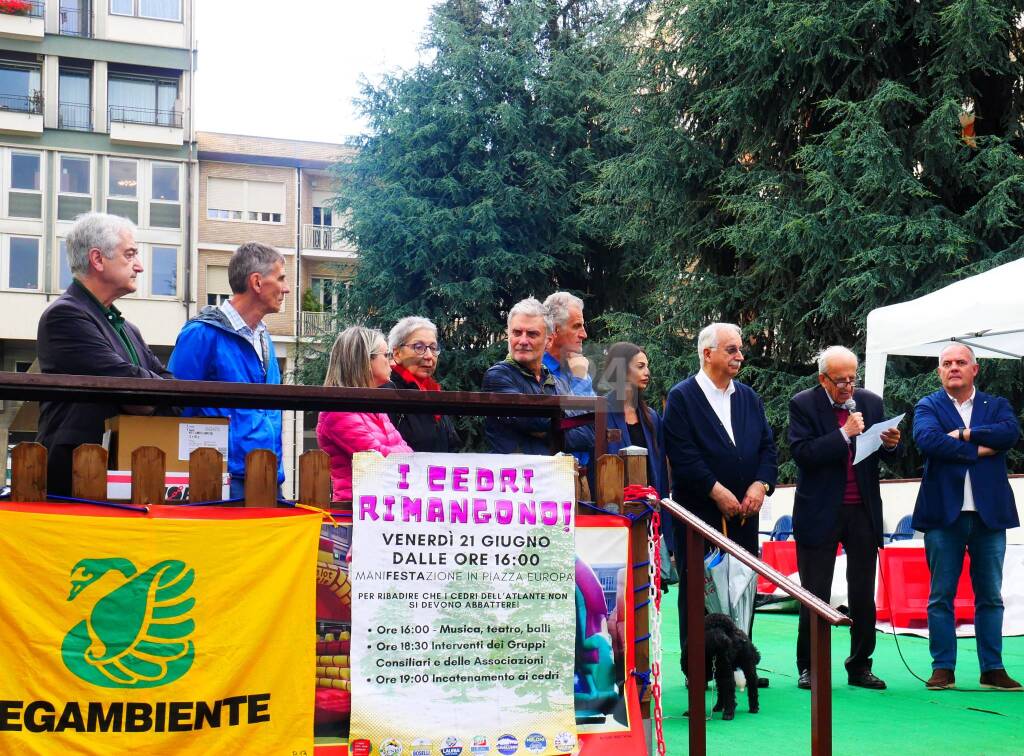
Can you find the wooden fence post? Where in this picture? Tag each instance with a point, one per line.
(315, 479)
(635, 473)
(206, 475)
(582, 484)
(261, 478)
(634, 460)
(89, 472)
(149, 468)
(609, 478)
(28, 472)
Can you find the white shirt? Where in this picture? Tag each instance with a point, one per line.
(719, 399)
(965, 411)
(255, 337)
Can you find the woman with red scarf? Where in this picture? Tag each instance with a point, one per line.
(414, 353)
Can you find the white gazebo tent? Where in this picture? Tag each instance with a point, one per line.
(985, 311)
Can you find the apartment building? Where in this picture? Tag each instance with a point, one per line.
(276, 191)
(95, 114)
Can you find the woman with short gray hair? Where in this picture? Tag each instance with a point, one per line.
(414, 355)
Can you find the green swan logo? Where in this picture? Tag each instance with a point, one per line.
(139, 634)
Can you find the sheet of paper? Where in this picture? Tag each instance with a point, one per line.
(870, 440)
(192, 436)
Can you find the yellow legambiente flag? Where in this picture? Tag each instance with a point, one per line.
(180, 631)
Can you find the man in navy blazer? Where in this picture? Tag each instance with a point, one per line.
(838, 502)
(965, 503)
(720, 448)
(83, 333)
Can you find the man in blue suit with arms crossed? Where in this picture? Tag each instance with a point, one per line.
(965, 503)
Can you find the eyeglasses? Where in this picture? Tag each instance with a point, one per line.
(844, 384)
(421, 349)
(730, 349)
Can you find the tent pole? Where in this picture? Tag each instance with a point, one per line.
(968, 342)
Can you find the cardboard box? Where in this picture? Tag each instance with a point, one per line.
(176, 436)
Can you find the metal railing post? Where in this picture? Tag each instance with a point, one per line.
(821, 686)
(695, 672)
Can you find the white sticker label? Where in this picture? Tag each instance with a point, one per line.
(192, 436)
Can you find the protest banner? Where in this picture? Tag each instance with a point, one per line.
(169, 632)
(463, 574)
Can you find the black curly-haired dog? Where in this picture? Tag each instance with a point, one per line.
(726, 649)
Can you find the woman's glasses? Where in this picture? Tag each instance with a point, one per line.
(421, 349)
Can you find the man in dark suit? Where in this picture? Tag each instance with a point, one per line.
(965, 503)
(838, 502)
(720, 448)
(83, 333)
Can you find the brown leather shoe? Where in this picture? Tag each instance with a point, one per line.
(997, 679)
(941, 679)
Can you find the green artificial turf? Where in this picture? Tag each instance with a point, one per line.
(905, 719)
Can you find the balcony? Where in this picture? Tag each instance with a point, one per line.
(21, 114)
(316, 323)
(74, 116)
(22, 19)
(76, 20)
(325, 242)
(145, 127)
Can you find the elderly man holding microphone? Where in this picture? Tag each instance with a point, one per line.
(838, 502)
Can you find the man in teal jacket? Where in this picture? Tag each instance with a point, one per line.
(231, 343)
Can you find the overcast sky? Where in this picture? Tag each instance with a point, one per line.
(290, 69)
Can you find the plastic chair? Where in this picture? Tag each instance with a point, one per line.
(782, 529)
(782, 556)
(779, 554)
(904, 531)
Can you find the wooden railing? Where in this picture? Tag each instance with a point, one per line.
(822, 617)
(173, 393)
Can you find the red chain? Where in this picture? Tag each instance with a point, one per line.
(634, 492)
(656, 664)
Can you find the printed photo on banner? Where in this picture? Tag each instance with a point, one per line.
(464, 575)
(603, 629)
(333, 635)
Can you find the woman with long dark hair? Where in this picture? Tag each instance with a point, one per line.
(627, 373)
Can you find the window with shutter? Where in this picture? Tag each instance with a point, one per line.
(248, 201)
(217, 287)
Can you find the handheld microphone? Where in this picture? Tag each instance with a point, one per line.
(850, 405)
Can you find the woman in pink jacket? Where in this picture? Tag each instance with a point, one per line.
(359, 359)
